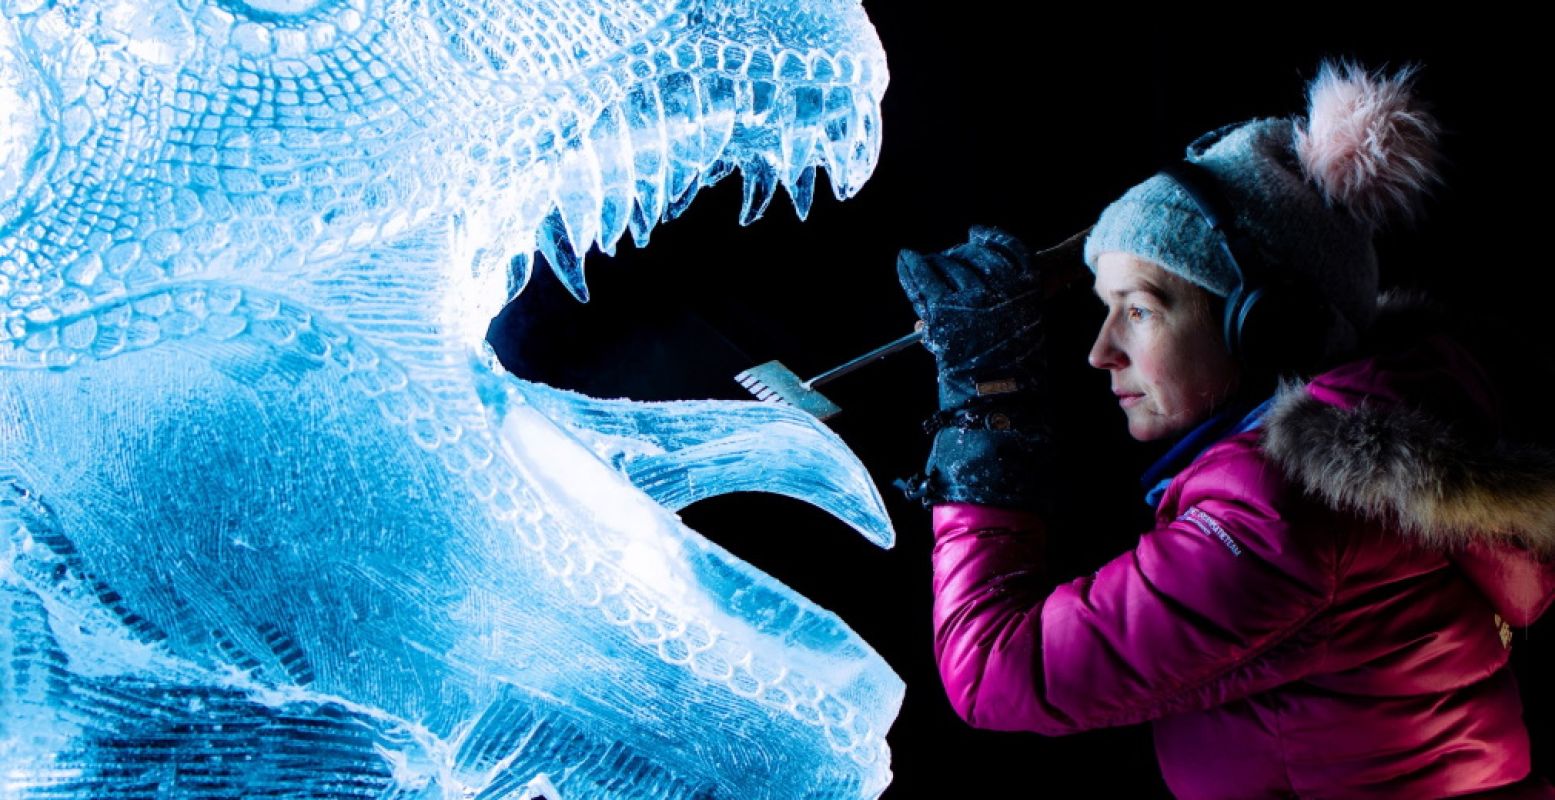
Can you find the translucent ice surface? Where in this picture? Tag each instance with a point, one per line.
(272, 519)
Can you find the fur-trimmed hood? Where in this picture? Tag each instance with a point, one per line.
(1422, 433)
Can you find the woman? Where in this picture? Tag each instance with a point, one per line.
(1323, 606)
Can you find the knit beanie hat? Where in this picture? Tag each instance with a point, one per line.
(1308, 193)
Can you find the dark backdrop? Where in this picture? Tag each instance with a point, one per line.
(1034, 125)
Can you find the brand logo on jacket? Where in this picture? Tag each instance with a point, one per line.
(1210, 528)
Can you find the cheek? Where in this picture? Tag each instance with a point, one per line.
(1207, 376)
(1161, 371)
(1189, 374)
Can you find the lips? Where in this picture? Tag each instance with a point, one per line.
(1128, 399)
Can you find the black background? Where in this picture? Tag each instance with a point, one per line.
(1032, 124)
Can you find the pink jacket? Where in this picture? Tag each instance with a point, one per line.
(1321, 610)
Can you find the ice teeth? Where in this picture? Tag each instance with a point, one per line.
(800, 120)
(562, 256)
(680, 181)
(645, 122)
(640, 224)
(682, 184)
(678, 205)
(837, 139)
(859, 152)
(644, 159)
(717, 171)
(760, 181)
(866, 150)
(578, 194)
(802, 191)
(718, 109)
(613, 147)
(683, 128)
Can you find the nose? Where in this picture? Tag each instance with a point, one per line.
(1105, 353)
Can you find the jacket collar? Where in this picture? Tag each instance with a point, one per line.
(1236, 417)
(1414, 435)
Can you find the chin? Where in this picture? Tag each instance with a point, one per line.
(1145, 436)
(1150, 431)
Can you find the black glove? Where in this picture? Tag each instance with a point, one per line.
(981, 305)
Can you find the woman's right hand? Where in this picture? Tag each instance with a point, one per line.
(981, 304)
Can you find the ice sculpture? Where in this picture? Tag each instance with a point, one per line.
(274, 521)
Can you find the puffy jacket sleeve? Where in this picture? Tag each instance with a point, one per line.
(1213, 604)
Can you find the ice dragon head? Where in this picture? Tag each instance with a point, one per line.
(277, 143)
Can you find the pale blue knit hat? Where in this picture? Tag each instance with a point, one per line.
(1308, 193)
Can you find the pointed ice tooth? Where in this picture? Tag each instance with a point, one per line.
(871, 149)
(562, 256)
(645, 121)
(614, 213)
(837, 139)
(801, 118)
(837, 113)
(717, 171)
(612, 145)
(717, 94)
(640, 224)
(760, 181)
(578, 194)
(683, 131)
(802, 191)
(678, 205)
(681, 184)
(862, 150)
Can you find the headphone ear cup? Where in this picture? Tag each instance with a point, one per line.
(1284, 329)
(1238, 304)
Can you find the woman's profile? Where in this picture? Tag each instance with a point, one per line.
(1347, 526)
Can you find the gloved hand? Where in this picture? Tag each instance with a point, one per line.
(981, 305)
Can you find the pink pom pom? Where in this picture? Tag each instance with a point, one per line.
(1368, 146)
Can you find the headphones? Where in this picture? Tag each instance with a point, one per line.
(1275, 321)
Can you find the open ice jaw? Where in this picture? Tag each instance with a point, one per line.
(635, 534)
(682, 452)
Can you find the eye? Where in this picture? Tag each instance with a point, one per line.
(1137, 314)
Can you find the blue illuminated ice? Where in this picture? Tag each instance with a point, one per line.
(272, 518)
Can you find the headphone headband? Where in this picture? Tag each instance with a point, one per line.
(1204, 190)
(1263, 320)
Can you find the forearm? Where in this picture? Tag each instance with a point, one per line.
(989, 589)
(1176, 623)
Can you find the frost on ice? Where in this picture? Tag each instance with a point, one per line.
(272, 518)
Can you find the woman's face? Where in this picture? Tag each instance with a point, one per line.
(1169, 367)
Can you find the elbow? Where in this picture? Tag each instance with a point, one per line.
(962, 701)
(976, 694)
(966, 708)
(961, 673)
(993, 695)
(1001, 716)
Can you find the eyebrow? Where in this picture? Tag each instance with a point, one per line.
(1142, 286)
